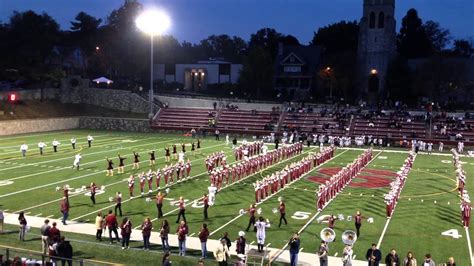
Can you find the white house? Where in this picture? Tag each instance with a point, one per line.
(198, 75)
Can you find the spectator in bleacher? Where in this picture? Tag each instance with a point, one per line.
(428, 261)
(215, 105)
(65, 252)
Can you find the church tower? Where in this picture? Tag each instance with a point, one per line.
(376, 48)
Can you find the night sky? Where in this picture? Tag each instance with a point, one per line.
(193, 20)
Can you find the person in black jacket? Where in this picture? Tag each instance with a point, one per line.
(373, 255)
(392, 258)
(294, 244)
(65, 252)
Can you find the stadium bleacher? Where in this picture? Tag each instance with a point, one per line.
(181, 118)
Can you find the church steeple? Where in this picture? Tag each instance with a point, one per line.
(377, 45)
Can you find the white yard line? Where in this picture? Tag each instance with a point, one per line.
(82, 164)
(59, 182)
(274, 257)
(289, 184)
(469, 245)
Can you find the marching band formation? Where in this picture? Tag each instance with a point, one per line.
(391, 199)
(339, 181)
(465, 204)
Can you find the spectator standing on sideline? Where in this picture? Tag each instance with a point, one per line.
(409, 259)
(164, 231)
(111, 222)
(227, 240)
(45, 236)
(65, 209)
(217, 133)
(294, 249)
(450, 262)
(126, 231)
(23, 224)
(54, 233)
(182, 231)
(99, 225)
(1, 221)
(147, 226)
(65, 252)
(392, 258)
(166, 260)
(23, 149)
(323, 254)
(373, 255)
(203, 235)
(221, 253)
(428, 261)
(240, 244)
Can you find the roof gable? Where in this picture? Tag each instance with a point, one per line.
(293, 60)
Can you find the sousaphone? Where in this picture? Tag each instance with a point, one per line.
(327, 235)
(349, 237)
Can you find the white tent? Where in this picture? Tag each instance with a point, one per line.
(103, 80)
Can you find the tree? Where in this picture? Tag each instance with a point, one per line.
(463, 48)
(399, 81)
(289, 40)
(85, 32)
(337, 37)
(413, 42)
(439, 37)
(223, 46)
(257, 72)
(266, 39)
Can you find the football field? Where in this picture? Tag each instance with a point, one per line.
(426, 219)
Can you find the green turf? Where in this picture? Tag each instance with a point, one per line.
(415, 225)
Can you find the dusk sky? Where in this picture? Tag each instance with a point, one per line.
(194, 20)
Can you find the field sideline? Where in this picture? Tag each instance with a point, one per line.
(429, 203)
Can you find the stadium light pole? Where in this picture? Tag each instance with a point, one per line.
(153, 23)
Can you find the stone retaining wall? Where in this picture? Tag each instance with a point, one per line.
(120, 124)
(23, 126)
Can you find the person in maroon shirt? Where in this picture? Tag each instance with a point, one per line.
(240, 243)
(111, 223)
(181, 210)
(358, 222)
(164, 231)
(251, 212)
(54, 233)
(466, 212)
(126, 232)
(93, 189)
(203, 235)
(182, 231)
(282, 209)
(147, 226)
(65, 209)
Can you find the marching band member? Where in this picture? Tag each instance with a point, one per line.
(131, 185)
(110, 167)
(120, 169)
(188, 168)
(77, 160)
(23, 149)
(152, 158)
(73, 143)
(89, 140)
(142, 180)
(149, 178)
(41, 146)
(55, 145)
(261, 225)
(136, 161)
